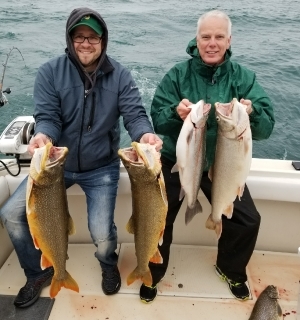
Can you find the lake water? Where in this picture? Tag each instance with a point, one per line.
(149, 37)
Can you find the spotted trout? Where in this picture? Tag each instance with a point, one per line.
(149, 206)
(47, 213)
(232, 161)
(266, 306)
(190, 156)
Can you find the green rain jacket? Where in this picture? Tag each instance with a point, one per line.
(194, 80)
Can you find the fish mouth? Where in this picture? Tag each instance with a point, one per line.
(48, 156)
(56, 156)
(147, 154)
(224, 109)
(141, 155)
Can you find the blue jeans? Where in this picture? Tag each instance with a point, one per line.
(100, 187)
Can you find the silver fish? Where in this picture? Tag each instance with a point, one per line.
(232, 161)
(190, 156)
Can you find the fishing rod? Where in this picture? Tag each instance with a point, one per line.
(3, 99)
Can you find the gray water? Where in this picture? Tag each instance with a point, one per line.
(149, 37)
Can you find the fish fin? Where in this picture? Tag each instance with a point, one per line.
(210, 173)
(156, 258)
(240, 191)
(130, 225)
(210, 224)
(228, 211)
(181, 194)
(45, 262)
(279, 310)
(214, 225)
(71, 226)
(147, 278)
(68, 283)
(175, 168)
(161, 237)
(162, 186)
(191, 212)
(35, 242)
(1, 223)
(134, 275)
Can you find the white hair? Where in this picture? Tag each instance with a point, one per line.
(217, 14)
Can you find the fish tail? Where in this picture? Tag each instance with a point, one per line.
(134, 275)
(147, 278)
(68, 283)
(191, 212)
(214, 225)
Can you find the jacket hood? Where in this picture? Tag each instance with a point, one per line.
(75, 16)
(193, 51)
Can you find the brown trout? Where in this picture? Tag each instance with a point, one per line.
(149, 206)
(267, 307)
(190, 156)
(47, 212)
(232, 161)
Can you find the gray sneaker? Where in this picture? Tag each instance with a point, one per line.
(111, 280)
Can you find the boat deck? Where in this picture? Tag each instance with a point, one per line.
(190, 289)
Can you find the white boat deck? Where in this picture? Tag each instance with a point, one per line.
(190, 289)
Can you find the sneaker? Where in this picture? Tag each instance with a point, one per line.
(111, 280)
(147, 294)
(239, 290)
(32, 289)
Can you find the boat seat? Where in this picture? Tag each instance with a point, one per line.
(4, 194)
(8, 184)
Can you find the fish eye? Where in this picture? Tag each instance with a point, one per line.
(217, 118)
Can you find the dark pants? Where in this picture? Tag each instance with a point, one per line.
(238, 237)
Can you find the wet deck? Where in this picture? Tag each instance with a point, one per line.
(190, 289)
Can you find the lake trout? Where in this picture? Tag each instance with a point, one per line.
(190, 156)
(47, 212)
(267, 307)
(149, 206)
(232, 161)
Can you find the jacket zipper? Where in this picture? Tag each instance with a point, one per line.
(81, 130)
(92, 114)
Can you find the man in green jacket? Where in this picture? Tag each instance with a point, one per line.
(210, 75)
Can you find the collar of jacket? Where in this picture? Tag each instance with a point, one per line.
(106, 66)
(205, 70)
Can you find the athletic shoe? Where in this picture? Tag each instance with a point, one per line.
(111, 280)
(239, 290)
(32, 289)
(147, 294)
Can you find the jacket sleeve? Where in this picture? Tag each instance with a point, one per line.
(47, 110)
(262, 117)
(135, 118)
(165, 118)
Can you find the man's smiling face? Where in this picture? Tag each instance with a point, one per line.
(213, 39)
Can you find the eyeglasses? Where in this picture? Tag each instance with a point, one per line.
(91, 40)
